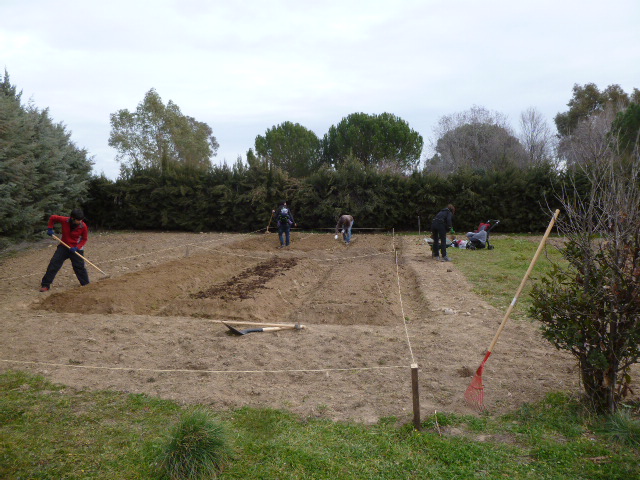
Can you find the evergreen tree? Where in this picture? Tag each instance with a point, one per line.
(291, 147)
(385, 142)
(41, 170)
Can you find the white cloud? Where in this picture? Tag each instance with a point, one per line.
(245, 66)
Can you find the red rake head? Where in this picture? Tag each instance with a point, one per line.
(475, 392)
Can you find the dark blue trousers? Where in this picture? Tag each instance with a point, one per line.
(60, 255)
(439, 233)
(284, 233)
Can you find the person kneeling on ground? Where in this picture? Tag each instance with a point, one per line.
(345, 224)
(75, 234)
(478, 239)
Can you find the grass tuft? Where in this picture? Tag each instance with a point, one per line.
(622, 428)
(198, 447)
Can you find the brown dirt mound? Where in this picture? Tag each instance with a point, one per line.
(242, 285)
(370, 310)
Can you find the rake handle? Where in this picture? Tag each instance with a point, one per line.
(269, 224)
(522, 284)
(296, 326)
(82, 257)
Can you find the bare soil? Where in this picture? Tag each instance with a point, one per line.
(369, 310)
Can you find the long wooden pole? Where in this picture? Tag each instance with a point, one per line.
(81, 256)
(475, 392)
(260, 324)
(269, 224)
(524, 281)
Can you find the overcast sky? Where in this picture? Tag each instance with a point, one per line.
(244, 66)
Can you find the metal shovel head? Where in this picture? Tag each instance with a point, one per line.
(235, 331)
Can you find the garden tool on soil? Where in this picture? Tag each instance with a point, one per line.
(236, 331)
(269, 224)
(475, 392)
(84, 258)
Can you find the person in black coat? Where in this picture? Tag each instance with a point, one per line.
(441, 224)
(285, 220)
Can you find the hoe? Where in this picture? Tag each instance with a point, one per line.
(236, 331)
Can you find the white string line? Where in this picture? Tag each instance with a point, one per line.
(348, 258)
(334, 259)
(221, 252)
(194, 244)
(182, 245)
(404, 320)
(178, 370)
(251, 371)
(282, 296)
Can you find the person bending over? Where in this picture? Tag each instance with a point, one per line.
(344, 225)
(75, 234)
(441, 224)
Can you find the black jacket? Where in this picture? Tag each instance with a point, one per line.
(445, 217)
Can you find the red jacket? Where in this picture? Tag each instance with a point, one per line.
(74, 238)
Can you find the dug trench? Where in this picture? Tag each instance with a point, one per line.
(369, 310)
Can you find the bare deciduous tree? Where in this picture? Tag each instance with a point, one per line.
(590, 305)
(589, 140)
(476, 138)
(536, 137)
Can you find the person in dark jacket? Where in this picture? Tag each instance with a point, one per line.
(75, 234)
(441, 224)
(285, 220)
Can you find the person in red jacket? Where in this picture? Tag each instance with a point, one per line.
(75, 234)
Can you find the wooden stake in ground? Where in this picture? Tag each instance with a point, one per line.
(416, 397)
(475, 393)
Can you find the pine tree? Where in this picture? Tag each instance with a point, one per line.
(41, 170)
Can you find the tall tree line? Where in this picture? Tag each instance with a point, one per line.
(366, 165)
(41, 170)
(240, 198)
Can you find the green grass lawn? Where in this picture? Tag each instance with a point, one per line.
(51, 432)
(496, 274)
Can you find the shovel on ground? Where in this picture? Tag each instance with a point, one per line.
(236, 331)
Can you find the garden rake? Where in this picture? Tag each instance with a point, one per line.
(269, 224)
(270, 328)
(475, 392)
(82, 257)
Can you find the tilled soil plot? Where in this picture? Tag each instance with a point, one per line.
(369, 311)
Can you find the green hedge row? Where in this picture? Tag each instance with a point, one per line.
(241, 198)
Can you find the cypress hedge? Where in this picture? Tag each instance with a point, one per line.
(241, 198)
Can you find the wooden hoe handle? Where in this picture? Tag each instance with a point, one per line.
(524, 280)
(82, 257)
